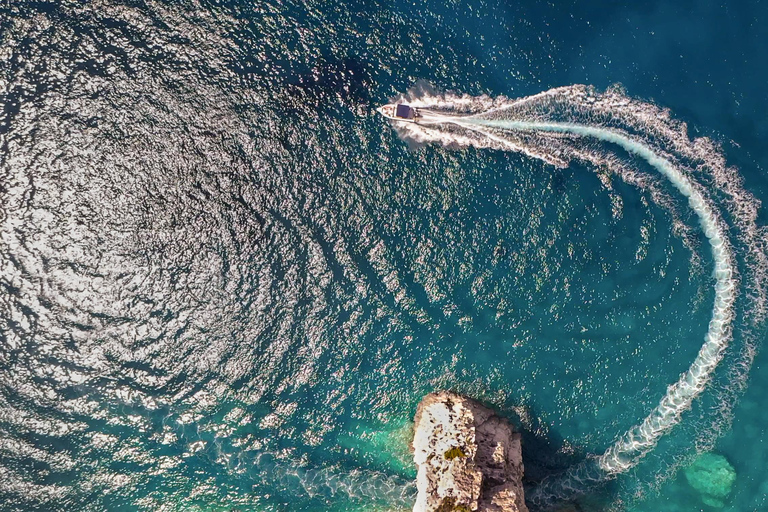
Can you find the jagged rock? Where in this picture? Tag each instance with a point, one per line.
(468, 458)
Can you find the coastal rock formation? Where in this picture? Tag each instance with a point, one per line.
(468, 458)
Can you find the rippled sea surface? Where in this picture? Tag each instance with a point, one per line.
(226, 282)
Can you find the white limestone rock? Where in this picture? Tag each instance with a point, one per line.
(468, 458)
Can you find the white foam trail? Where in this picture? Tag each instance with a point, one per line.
(557, 126)
(630, 448)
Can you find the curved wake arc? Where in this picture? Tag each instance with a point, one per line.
(641, 439)
(555, 126)
(627, 451)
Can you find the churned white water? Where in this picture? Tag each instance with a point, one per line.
(554, 126)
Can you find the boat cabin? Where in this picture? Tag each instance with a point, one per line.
(405, 112)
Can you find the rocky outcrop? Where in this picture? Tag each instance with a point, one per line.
(468, 458)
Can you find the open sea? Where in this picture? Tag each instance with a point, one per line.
(226, 281)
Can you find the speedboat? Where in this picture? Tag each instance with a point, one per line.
(400, 112)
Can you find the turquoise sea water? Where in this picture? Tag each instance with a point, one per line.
(227, 282)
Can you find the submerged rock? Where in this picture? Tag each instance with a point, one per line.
(713, 476)
(468, 458)
(386, 447)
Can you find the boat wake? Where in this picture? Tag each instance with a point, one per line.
(562, 126)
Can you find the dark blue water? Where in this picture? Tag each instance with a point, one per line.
(227, 282)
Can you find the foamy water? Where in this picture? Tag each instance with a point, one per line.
(553, 126)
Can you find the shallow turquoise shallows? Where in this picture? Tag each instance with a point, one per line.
(226, 281)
